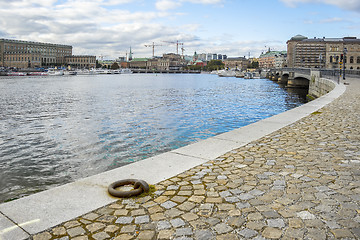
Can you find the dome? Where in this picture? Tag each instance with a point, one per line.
(298, 38)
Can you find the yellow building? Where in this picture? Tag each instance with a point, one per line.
(324, 52)
(26, 54)
(81, 61)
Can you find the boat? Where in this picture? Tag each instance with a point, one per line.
(55, 72)
(38, 74)
(70, 73)
(126, 71)
(116, 71)
(16, 74)
(239, 74)
(102, 71)
(226, 73)
(86, 72)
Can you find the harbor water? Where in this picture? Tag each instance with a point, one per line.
(54, 130)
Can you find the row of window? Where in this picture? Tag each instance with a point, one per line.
(30, 49)
(27, 59)
(335, 59)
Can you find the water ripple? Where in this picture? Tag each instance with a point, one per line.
(56, 130)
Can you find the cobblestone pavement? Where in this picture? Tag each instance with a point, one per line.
(301, 182)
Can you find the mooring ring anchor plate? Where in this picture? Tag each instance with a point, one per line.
(139, 187)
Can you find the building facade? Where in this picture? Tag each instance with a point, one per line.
(26, 54)
(240, 63)
(272, 59)
(329, 53)
(81, 61)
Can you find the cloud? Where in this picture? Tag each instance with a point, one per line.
(90, 26)
(332, 20)
(164, 5)
(352, 5)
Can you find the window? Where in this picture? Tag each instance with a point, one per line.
(351, 59)
(331, 59)
(358, 60)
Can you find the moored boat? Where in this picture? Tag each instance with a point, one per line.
(226, 73)
(70, 73)
(126, 71)
(239, 74)
(55, 72)
(16, 74)
(38, 74)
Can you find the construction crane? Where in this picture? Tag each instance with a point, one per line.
(153, 45)
(177, 45)
(182, 50)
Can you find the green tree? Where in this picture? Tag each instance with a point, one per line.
(98, 65)
(115, 66)
(195, 67)
(215, 65)
(255, 65)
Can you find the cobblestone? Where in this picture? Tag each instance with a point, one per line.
(300, 182)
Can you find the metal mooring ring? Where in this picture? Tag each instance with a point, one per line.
(139, 187)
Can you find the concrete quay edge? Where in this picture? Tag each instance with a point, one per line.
(21, 218)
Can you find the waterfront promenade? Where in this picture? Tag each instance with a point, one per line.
(301, 181)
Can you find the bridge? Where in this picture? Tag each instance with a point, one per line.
(138, 70)
(316, 80)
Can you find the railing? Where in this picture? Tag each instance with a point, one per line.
(324, 72)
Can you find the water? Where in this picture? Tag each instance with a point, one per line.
(54, 130)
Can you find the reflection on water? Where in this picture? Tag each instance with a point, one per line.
(54, 130)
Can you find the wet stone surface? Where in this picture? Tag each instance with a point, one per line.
(300, 182)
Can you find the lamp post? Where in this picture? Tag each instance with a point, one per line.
(345, 51)
(336, 61)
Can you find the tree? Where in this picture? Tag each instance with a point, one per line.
(253, 65)
(215, 65)
(98, 65)
(115, 66)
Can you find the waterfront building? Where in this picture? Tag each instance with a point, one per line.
(272, 59)
(81, 61)
(330, 53)
(140, 63)
(27, 54)
(240, 63)
(171, 61)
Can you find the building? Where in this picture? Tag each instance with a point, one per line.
(139, 63)
(330, 53)
(26, 54)
(272, 59)
(81, 61)
(236, 63)
(171, 61)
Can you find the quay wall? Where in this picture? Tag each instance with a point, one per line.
(319, 86)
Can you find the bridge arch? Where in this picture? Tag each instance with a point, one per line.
(284, 78)
(298, 82)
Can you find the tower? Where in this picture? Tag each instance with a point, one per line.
(130, 54)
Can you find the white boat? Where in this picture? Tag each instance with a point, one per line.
(102, 71)
(226, 73)
(239, 74)
(86, 72)
(126, 71)
(116, 71)
(16, 74)
(38, 74)
(55, 72)
(70, 73)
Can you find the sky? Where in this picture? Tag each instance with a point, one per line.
(108, 28)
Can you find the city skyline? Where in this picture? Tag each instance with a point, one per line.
(234, 28)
